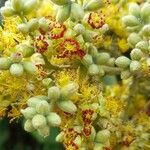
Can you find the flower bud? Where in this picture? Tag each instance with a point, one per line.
(33, 25)
(29, 6)
(28, 126)
(69, 89)
(16, 70)
(39, 121)
(135, 66)
(26, 50)
(63, 13)
(44, 131)
(143, 45)
(37, 59)
(101, 72)
(60, 137)
(134, 9)
(102, 136)
(53, 93)
(53, 119)
(134, 38)
(146, 30)
(61, 2)
(43, 24)
(47, 82)
(87, 60)
(16, 57)
(23, 28)
(7, 11)
(43, 107)
(88, 35)
(98, 146)
(130, 20)
(77, 12)
(28, 112)
(5, 63)
(17, 5)
(122, 62)
(125, 74)
(111, 62)
(92, 50)
(29, 67)
(136, 54)
(33, 101)
(67, 106)
(79, 28)
(93, 69)
(102, 58)
(145, 11)
(93, 5)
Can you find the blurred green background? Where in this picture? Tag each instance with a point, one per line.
(13, 136)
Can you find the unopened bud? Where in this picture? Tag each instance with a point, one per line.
(16, 57)
(102, 58)
(53, 119)
(63, 13)
(122, 62)
(23, 28)
(16, 70)
(134, 38)
(146, 30)
(67, 106)
(43, 107)
(39, 121)
(54, 93)
(44, 131)
(33, 101)
(7, 11)
(134, 9)
(125, 74)
(33, 25)
(60, 137)
(5, 63)
(136, 54)
(143, 45)
(29, 67)
(87, 60)
(93, 69)
(47, 82)
(79, 29)
(135, 66)
(145, 11)
(28, 112)
(28, 126)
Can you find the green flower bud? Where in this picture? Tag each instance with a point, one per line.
(61, 2)
(16, 70)
(87, 60)
(102, 58)
(67, 106)
(146, 30)
(53, 119)
(39, 121)
(17, 5)
(102, 136)
(29, 6)
(133, 29)
(26, 50)
(43, 107)
(47, 82)
(92, 50)
(135, 66)
(23, 28)
(33, 25)
(28, 112)
(44, 131)
(93, 5)
(16, 57)
(136, 54)
(88, 35)
(29, 67)
(130, 20)
(92, 135)
(33, 101)
(122, 62)
(28, 126)
(5, 63)
(125, 74)
(78, 140)
(134, 9)
(63, 13)
(145, 11)
(111, 62)
(134, 38)
(60, 137)
(79, 28)
(69, 89)
(7, 11)
(143, 45)
(93, 69)
(98, 147)
(101, 72)
(77, 12)
(53, 93)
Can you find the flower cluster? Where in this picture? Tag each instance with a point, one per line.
(80, 65)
